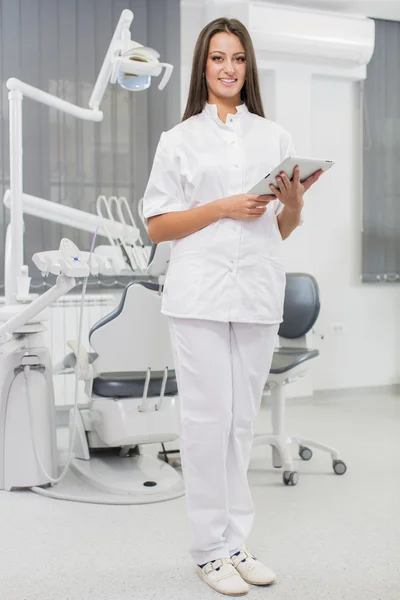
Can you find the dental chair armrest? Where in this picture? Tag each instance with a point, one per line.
(83, 365)
(89, 385)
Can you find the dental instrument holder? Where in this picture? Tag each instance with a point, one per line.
(67, 262)
(125, 253)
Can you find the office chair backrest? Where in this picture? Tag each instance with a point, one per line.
(301, 307)
(135, 336)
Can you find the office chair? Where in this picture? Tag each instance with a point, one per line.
(290, 361)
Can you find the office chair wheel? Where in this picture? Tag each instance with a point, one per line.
(290, 477)
(339, 467)
(305, 453)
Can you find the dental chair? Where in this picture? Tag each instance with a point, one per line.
(291, 360)
(133, 398)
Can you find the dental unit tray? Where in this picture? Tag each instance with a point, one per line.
(68, 260)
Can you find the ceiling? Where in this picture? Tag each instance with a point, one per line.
(379, 9)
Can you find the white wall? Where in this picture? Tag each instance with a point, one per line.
(322, 111)
(367, 352)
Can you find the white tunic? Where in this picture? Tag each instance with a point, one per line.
(230, 270)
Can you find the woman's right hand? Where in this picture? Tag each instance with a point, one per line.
(244, 206)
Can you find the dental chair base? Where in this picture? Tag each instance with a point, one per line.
(132, 401)
(143, 478)
(107, 454)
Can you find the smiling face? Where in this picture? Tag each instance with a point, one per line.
(225, 69)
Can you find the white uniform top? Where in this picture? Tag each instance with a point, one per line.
(230, 270)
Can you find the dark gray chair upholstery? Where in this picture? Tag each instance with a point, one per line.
(124, 385)
(301, 310)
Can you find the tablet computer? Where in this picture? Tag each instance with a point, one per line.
(308, 166)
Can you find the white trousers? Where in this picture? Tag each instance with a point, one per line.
(221, 370)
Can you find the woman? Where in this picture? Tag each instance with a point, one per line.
(224, 289)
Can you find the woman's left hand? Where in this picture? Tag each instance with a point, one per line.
(290, 192)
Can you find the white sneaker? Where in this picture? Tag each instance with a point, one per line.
(252, 570)
(222, 576)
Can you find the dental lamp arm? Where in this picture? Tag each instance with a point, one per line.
(19, 90)
(121, 33)
(28, 91)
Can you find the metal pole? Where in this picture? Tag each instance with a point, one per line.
(17, 221)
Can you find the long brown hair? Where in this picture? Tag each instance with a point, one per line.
(198, 93)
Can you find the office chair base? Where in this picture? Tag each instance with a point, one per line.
(282, 454)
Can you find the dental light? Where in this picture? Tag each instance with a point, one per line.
(129, 63)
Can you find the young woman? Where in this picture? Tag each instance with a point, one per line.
(224, 289)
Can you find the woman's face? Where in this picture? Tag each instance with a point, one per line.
(225, 68)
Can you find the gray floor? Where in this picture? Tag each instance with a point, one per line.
(329, 537)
